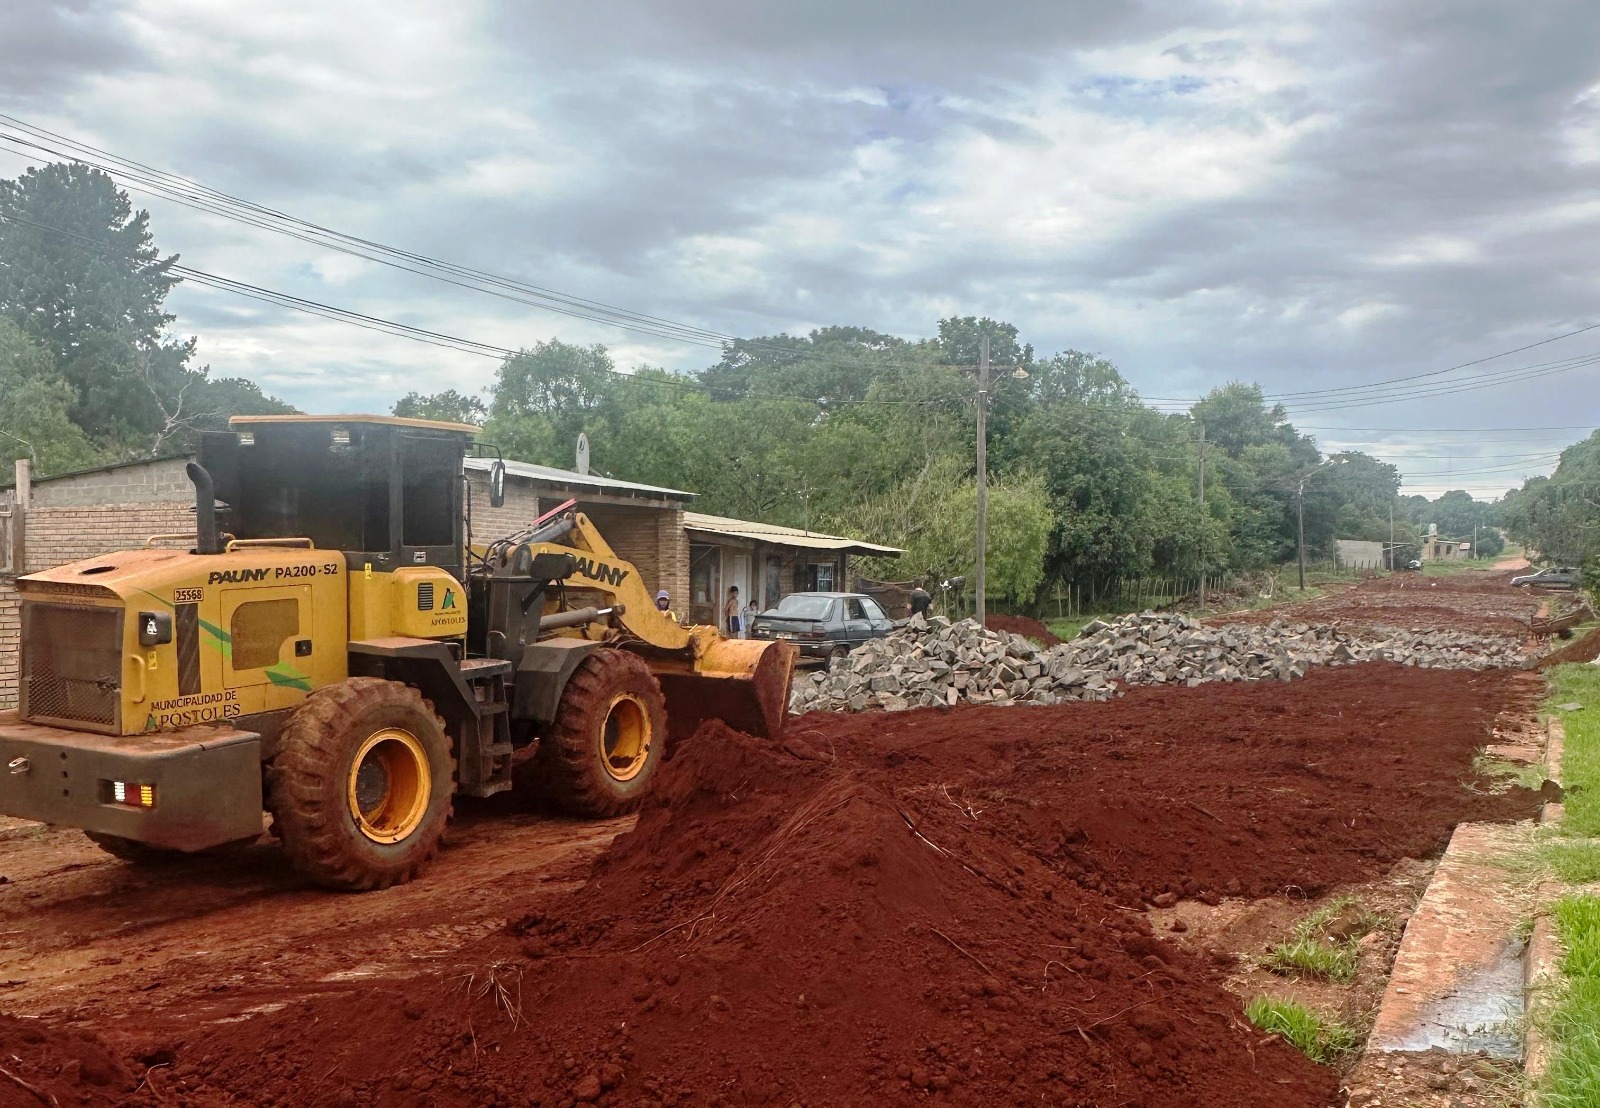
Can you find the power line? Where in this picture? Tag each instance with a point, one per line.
(437, 338)
(195, 195)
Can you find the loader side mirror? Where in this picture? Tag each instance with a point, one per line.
(497, 484)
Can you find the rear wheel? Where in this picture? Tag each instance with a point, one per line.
(600, 755)
(360, 788)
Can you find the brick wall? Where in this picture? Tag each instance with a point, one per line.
(142, 483)
(60, 534)
(673, 568)
(10, 635)
(520, 509)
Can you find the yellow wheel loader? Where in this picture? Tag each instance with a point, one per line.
(335, 651)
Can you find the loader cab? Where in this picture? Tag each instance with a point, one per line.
(384, 490)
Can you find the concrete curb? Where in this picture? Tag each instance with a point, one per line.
(1555, 742)
(1541, 963)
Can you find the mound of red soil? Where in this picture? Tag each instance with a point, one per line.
(922, 907)
(1583, 649)
(48, 1064)
(1251, 789)
(783, 928)
(1023, 625)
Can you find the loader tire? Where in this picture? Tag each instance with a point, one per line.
(360, 787)
(600, 756)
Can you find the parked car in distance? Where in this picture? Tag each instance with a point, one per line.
(822, 624)
(1563, 577)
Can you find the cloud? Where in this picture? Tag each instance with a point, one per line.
(1313, 196)
(46, 46)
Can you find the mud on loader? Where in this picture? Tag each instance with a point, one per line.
(343, 658)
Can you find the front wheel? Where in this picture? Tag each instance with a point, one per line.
(360, 788)
(600, 756)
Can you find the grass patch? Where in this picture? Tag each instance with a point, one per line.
(1580, 761)
(1326, 944)
(1573, 1079)
(1313, 958)
(1458, 565)
(1320, 1040)
(1572, 862)
(1501, 774)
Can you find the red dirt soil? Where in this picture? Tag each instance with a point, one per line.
(1474, 600)
(1026, 626)
(1585, 648)
(44, 1064)
(932, 906)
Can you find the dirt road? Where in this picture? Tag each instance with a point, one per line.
(945, 906)
(209, 937)
(1474, 600)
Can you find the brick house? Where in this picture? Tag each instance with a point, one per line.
(65, 518)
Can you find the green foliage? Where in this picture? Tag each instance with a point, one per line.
(83, 285)
(1573, 1077)
(1323, 1041)
(35, 407)
(1557, 518)
(934, 519)
(449, 406)
(1580, 758)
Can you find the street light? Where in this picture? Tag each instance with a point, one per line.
(1300, 504)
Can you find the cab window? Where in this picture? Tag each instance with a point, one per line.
(259, 629)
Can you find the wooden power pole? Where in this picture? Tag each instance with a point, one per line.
(981, 583)
(1202, 448)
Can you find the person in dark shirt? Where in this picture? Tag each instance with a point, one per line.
(921, 600)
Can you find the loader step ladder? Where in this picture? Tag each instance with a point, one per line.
(487, 770)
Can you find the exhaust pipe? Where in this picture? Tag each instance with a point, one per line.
(208, 540)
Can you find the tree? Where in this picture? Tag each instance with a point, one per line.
(81, 277)
(34, 408)
(543, 397)
(933, 517)
(84, 279)
(449, 406)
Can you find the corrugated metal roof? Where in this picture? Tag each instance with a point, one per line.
(787, 536)
(578, 480)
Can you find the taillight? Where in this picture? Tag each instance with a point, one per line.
(129, 794)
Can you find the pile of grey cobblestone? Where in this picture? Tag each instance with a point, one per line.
(933, 662)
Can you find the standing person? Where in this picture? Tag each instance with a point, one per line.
(730, 610)
(748, 621)
(664, 605)
(921, 600)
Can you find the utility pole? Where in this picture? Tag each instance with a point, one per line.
(981, 579)
(1474, 541)
(1202, 448)
(1300, 503)
(1390, 558)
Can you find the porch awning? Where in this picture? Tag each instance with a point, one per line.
(782, 536)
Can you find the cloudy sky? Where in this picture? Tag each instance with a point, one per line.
(1310, 195)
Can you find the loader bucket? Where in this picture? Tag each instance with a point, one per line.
(742, 682)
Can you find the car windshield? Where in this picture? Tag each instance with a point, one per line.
(802, 606)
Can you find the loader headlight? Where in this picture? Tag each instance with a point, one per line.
(129, 794)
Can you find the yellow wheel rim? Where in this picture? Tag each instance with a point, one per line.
(390, 783)
(625, 738)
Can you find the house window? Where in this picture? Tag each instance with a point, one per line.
(705, 575)
(822, 577)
